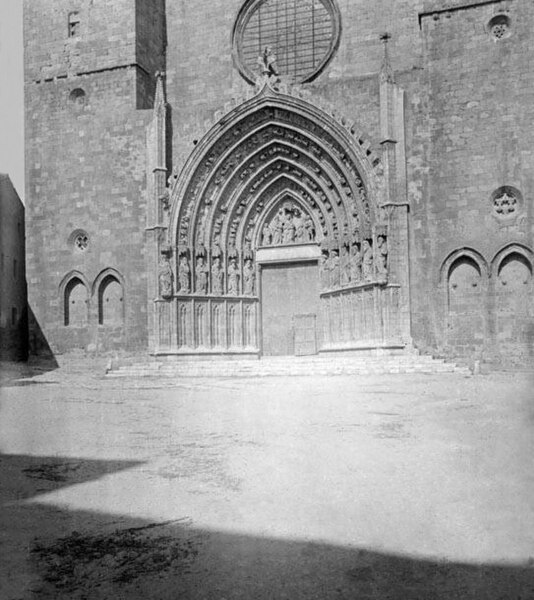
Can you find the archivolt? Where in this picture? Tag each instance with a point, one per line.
(269, 149)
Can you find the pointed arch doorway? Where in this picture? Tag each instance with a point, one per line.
(278, 243)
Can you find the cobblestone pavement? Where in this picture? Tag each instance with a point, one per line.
(397, 487)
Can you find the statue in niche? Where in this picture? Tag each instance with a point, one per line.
(266, 236)
(217, 276)
(249, 277)
(233, 278)
(232, 250)
(324, 270)
(165, 277)
(216, 251)
(277, 227)
(201, 272)
(247, 250)
(344, 267)
(184, 275)
(367, 260)
(355, 264)
(165, 200)
(333, 266)
(288, 229)
(381, 256)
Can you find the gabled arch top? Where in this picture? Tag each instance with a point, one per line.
(509, 249)
(465, 252)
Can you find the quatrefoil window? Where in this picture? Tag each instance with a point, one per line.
(79, 240)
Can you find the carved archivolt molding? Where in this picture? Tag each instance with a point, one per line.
(275, 171)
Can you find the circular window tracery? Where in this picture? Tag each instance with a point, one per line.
(79, 240)
(302, 35)
(506, 202)
(500, 27)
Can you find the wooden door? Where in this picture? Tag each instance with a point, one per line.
(305, 328)
(289, 292)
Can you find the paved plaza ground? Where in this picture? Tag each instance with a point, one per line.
(379, 487)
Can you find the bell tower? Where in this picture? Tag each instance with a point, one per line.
(90, 82)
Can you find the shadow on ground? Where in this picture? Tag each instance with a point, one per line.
(24, 476)
(50, 552)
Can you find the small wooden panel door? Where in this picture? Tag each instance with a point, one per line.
(305, 328)
(288, 290)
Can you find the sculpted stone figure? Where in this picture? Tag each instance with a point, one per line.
(247, 250)
(201, 272)
(355, 265)
(216, 251)
(233, 278)
(333, 266)
(344, 266)
(217, 276)
(266, 236)
(165, 277)
(309, 229)
(288, 230)
(249, 277)
(300, 232)
(184, 275)
(267, 65)
(324, 270)
(277, 230)
(367, 261)
(381, 256)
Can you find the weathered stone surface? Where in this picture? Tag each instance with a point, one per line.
(13, 314)
(454, 129)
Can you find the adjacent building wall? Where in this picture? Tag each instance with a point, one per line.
(13, 314)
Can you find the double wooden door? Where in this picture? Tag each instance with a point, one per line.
(290, 308)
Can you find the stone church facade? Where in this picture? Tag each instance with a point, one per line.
(281, 177)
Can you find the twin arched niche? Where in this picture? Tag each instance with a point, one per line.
(77, 294)
(489, 305)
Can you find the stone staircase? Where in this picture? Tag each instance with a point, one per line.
(288, 366)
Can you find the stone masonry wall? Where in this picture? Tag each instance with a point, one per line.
(13, 314)
(468, 110)
(86, 175)
(468, 116)
(471, 120)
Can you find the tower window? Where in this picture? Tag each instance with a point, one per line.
(74, 24)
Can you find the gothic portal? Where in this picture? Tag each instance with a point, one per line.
(276, 239)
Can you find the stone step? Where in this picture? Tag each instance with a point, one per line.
(294, 366)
